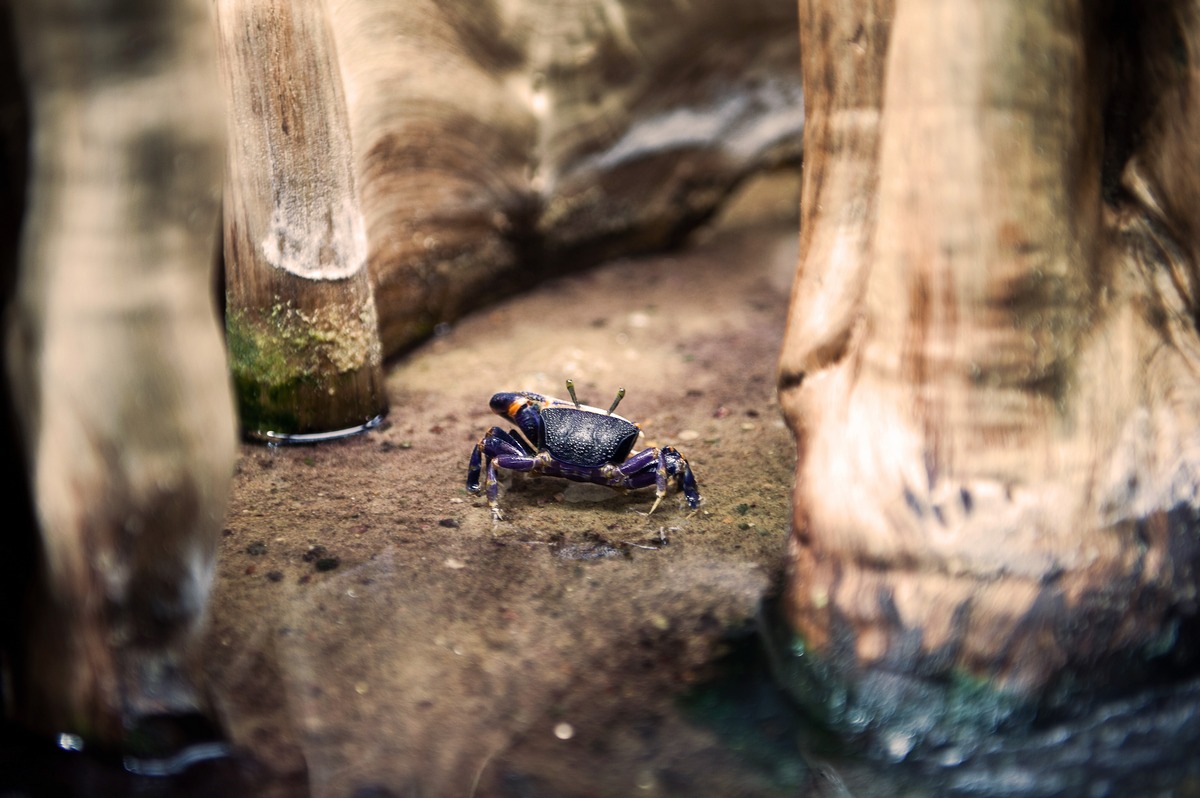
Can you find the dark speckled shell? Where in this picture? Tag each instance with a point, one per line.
(583, 438)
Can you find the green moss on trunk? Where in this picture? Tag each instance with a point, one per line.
(303, 372)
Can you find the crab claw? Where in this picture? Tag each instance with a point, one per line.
(508, 404)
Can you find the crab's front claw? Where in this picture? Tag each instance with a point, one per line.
(497, 448)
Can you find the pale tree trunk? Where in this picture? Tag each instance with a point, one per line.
(115, 358)
(300, 310)
(991, 360)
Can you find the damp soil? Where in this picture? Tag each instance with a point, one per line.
(374, 632)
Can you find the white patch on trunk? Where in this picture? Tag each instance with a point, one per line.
(298, 242)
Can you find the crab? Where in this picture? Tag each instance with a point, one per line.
(577, 442)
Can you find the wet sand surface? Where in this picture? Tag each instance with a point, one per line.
(374, 632)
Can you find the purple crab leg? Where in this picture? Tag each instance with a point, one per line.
(655, 467)
(645, 468)
(498, 448)
(495, 442)
(508, 450)
(678, 464)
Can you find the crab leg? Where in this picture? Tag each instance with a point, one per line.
(498, 448)
(656, 467)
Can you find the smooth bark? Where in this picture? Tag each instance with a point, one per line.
(990, 363)
(300, 310)
(115, 358)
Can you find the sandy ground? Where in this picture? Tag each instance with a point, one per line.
(373, 631)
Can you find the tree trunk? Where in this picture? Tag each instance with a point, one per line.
(501, 143)
(300, 312)
(991, 360)
(115, 358)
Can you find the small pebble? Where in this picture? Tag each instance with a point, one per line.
(564, 731)
(327, 563)
(454, 564)
(449, 523)
(688, 435)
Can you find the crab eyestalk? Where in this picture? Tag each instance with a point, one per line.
(617, 401)
(571, 391)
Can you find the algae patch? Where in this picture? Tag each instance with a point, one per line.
(305, 370)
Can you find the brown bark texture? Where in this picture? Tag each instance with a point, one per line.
(499, 143)
(300, 309)
(991, 358)
(115, 358)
